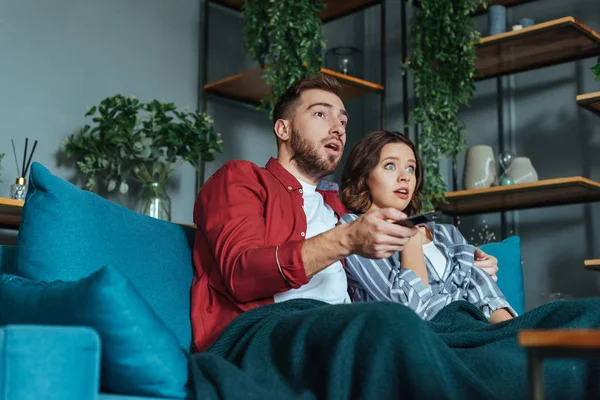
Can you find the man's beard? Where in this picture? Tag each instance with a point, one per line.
(308, 160)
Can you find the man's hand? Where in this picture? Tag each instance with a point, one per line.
(486, 262)
(370, 235)
(373, 236)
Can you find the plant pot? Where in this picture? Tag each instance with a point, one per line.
(154, 201)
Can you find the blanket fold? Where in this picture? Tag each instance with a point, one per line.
(305, 349)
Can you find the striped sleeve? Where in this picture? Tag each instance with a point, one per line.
(382, 281)
(482, 291)
(486, 294)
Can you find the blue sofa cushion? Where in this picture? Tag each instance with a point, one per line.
(67, 233)
(140, 355)
(510, 273)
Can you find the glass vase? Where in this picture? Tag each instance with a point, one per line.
(18, 190)
(155, 201)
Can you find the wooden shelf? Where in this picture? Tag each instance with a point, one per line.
(333, 8)
(10, 213)
(249, 87)
(541, 45)
(593, 265)
(590, 101)
(545, 193)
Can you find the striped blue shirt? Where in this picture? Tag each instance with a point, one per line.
(387, 280)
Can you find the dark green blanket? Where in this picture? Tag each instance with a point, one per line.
(309, 350)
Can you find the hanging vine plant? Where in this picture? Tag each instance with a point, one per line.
(286, 38)
(596, 70)
(443, 65)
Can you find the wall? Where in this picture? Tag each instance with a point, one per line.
(61, 57)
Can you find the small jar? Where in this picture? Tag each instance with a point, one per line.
(18, 190)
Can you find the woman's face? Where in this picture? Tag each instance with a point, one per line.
(392, 183)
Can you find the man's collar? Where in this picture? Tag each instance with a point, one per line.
(290, 182)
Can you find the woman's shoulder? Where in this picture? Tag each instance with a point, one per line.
(347, 218)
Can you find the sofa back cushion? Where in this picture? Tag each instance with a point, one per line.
(510, 273)
(67, 233)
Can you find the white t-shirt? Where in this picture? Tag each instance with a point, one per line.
(437, 259)
(329, 285)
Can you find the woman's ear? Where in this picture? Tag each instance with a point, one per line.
(282, 129)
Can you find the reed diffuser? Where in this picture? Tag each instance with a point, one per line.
(18, 190)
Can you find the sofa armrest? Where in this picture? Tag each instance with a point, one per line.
(49, 362)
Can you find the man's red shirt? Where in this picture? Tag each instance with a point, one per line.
(248, 244)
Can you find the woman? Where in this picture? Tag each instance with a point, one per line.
(436, 267)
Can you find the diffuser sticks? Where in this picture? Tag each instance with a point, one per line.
(25, 166)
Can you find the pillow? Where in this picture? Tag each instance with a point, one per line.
(510, 273)
(140, 355)
(67, 233)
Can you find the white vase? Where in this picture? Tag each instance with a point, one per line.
(521, 170)
(480, 168)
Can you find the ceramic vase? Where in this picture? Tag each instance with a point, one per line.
(526, 22)
(496, 20)
(480, 168)
(521, 170)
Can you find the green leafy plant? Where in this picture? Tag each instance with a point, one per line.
(285, 37)
(443, 63)
(133, 140)
(596, 70)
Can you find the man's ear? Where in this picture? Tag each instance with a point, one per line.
(282, 129)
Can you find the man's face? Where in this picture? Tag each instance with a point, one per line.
(318, 133)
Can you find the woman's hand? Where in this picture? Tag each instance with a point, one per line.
(487, 263)
(500, 315)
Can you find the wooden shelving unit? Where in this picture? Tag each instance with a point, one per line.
(593, 265)
(333, 8)
(544, 193)
(249, 87)
(590, 101)
(10, 213)
(541, 45)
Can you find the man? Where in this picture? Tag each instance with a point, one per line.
(269, 234)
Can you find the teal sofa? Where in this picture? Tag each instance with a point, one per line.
(95, 298)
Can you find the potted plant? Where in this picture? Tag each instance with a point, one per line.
(443, 35)
(285, 37)
(130, 141)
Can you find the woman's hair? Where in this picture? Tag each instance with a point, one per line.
(362, 161)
